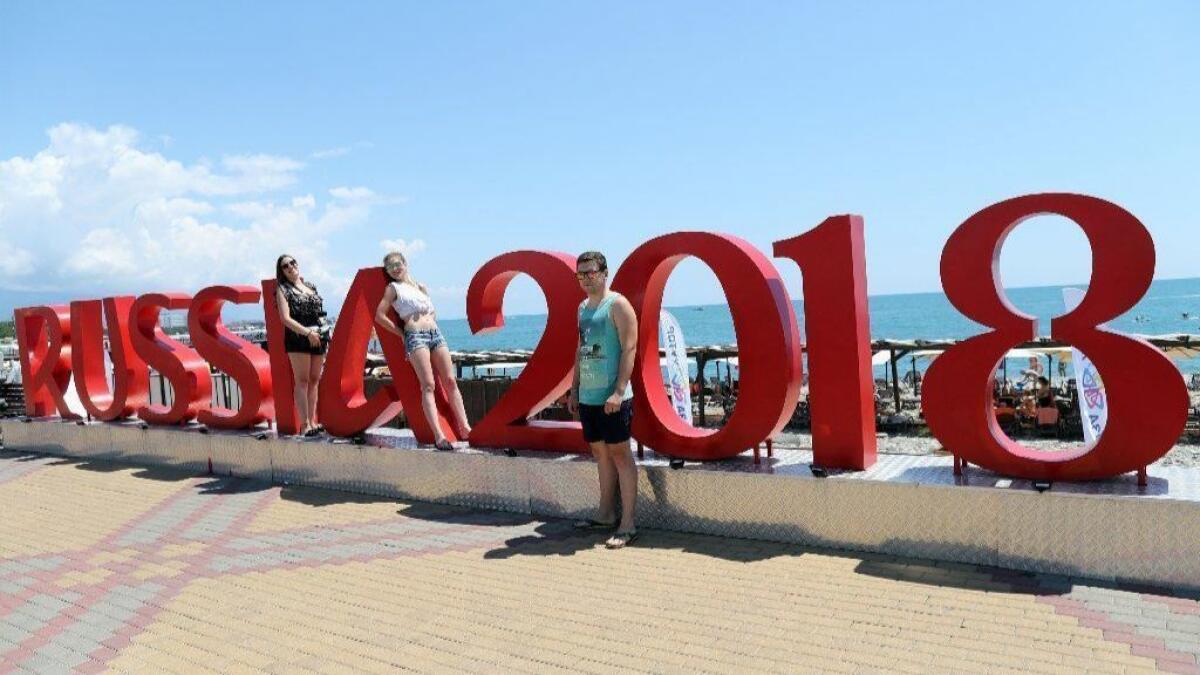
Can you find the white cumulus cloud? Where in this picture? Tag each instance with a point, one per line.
(352, 194)
(339, 151)
(14, 260)
(96, 211)
(408, 248)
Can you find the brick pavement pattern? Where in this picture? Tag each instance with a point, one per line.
(105, 567)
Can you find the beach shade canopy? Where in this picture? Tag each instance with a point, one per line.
(1176, 346)
(494, 368)
(483, 358)
(925, 354)
(1022, 354)
(1061, 353)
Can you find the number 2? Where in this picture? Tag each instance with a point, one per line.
(548, 374)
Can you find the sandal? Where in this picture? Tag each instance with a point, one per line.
(621, 539)
(313, 432)
(593, 524)
(443, 445)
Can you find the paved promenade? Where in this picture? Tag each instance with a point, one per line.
(106, 567)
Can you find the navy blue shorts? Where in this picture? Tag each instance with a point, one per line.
(601, 426)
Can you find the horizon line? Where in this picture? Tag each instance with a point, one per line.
(7, 319)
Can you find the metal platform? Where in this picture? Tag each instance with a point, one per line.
(905, 505)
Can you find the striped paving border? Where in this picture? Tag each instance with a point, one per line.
(198, 532)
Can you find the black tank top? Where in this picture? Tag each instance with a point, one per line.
(305, 308)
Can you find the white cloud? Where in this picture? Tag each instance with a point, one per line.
(363, 195)
(452, 292)
(97, 212)
(257, 173)
(339, 151)
(408, 248)
(14, 261)
(352, 194)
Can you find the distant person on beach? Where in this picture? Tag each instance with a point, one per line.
(601, 395)
(1045, 395)
(423, 342)
(1030, 375)
(305, 337)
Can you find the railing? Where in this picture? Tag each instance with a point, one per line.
(225, 391)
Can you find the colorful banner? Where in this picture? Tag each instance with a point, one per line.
(679, 389)
(1093, 401)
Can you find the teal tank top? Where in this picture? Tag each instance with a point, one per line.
(599, 353)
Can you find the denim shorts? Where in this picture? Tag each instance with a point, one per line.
(422, 339)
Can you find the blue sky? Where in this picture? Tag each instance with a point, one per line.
(137, 138)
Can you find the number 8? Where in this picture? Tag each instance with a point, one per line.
(1147, 398)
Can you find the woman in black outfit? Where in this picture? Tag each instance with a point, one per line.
(1045, 395)
(302, 312)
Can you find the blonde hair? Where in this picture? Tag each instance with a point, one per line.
(397, 255)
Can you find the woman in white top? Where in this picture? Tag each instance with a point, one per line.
(423, 342)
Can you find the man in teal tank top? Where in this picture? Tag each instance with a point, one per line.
(602, 396)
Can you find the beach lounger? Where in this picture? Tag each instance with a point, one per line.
(1048, 421)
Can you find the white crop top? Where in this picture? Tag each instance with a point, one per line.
(410, 300)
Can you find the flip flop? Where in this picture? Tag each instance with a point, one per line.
(593, 524)
(621, 539)
(444, 445)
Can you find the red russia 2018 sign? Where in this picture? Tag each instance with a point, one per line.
(1148, 400)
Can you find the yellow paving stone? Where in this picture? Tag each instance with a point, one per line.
(63, 508)
(684, 604)
(107, 557)
(247, 669)
(82, 578)
(180, 550)
(946, 664)
(341, 509)
(150, 571)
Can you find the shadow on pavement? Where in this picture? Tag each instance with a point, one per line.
(999, 580)
(313, 496)
(558, 537)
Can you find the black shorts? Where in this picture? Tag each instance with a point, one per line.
(295, 343)
(601, 426)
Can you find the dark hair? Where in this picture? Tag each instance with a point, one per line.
(1042, 380)
(593, 256)
(280, 277)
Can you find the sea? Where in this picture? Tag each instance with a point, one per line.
(1171, 306)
